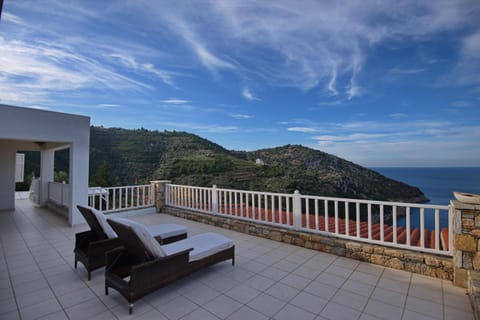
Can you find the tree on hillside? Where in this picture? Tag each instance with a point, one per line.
(104, 177)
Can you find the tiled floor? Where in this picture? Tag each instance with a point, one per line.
(270, 280)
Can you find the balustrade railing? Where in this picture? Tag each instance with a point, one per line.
(107, 200)
(419, 227)
(113, 199)
(59, 193)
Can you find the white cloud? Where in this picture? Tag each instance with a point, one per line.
(349, 137)
(39, 107)
(247, 94)
(241, 116)
(461, 104)
(417, 143)
(468, 67)
(302, 129)
(398, 116)
(460, 151)
(8, 17)
(315, 44)
(331, 84)
(131, 62)
(199, 128)
(175, 101)
(406, 71)
(32, 72)
(108, 105)
(197, 45)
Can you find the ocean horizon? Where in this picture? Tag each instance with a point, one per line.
(437, 183)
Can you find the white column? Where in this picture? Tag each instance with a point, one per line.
(214, 200)
(7, 178)
(297, 210)
(79, 158)
(47, 158)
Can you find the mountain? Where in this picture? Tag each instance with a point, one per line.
(129, 157)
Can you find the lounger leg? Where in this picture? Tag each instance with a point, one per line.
(75, 263)
(233, 261)
(130, 308)
(106, 290)
(89, 275)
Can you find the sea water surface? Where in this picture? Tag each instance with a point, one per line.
(438, 185)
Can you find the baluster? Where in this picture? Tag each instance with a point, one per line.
(357, 218)
(382, 223)
(287, 200)
(307, 213)
(394, 212)
(325, 207)
(273, 207)
(422, 227)
(336, 216)
(347, 220)
(437, 229)
(408, 226)
(369, 208)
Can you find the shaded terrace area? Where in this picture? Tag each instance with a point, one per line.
(271, 280)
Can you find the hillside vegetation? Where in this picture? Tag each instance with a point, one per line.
(125, 157)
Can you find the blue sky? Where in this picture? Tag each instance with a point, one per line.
(389, 83)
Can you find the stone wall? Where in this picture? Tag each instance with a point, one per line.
(467, 251)
(466, 242)
(421, 263)
(159, 188)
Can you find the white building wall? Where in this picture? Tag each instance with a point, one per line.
(7, 177)
(47, 131)
(20, 167)
(79, 156)
(47, 158)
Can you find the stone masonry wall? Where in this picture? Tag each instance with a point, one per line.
(466, 242)
(421, 263)
(159, 188)
(467, 251)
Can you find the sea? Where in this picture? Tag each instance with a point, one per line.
(438, 185)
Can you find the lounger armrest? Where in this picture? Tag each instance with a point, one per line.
(98, 248)
(83, 239)
(116, 256)
(117, 262)
(160, 268)
(176, 254)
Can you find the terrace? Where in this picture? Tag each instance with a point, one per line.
(284, 266)
(271, 280)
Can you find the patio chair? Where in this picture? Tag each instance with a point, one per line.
(91, 245)
(143, 265)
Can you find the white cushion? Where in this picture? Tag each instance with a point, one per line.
(166, 230)
(204, 245)
(147, 239)
(103, 223)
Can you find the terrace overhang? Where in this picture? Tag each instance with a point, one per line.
(25, 129)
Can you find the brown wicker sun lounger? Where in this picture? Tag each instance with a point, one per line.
(91, 245)
(136, 269)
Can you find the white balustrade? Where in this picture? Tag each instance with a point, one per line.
(59, 193)
(122, 198)
(377, 222)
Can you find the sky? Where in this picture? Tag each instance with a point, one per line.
(379, 83)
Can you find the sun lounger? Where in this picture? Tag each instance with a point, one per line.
(91, 246)
(143, 265)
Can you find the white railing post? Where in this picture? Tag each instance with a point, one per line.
(214, 200)
(297, 210)
(167, 193)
